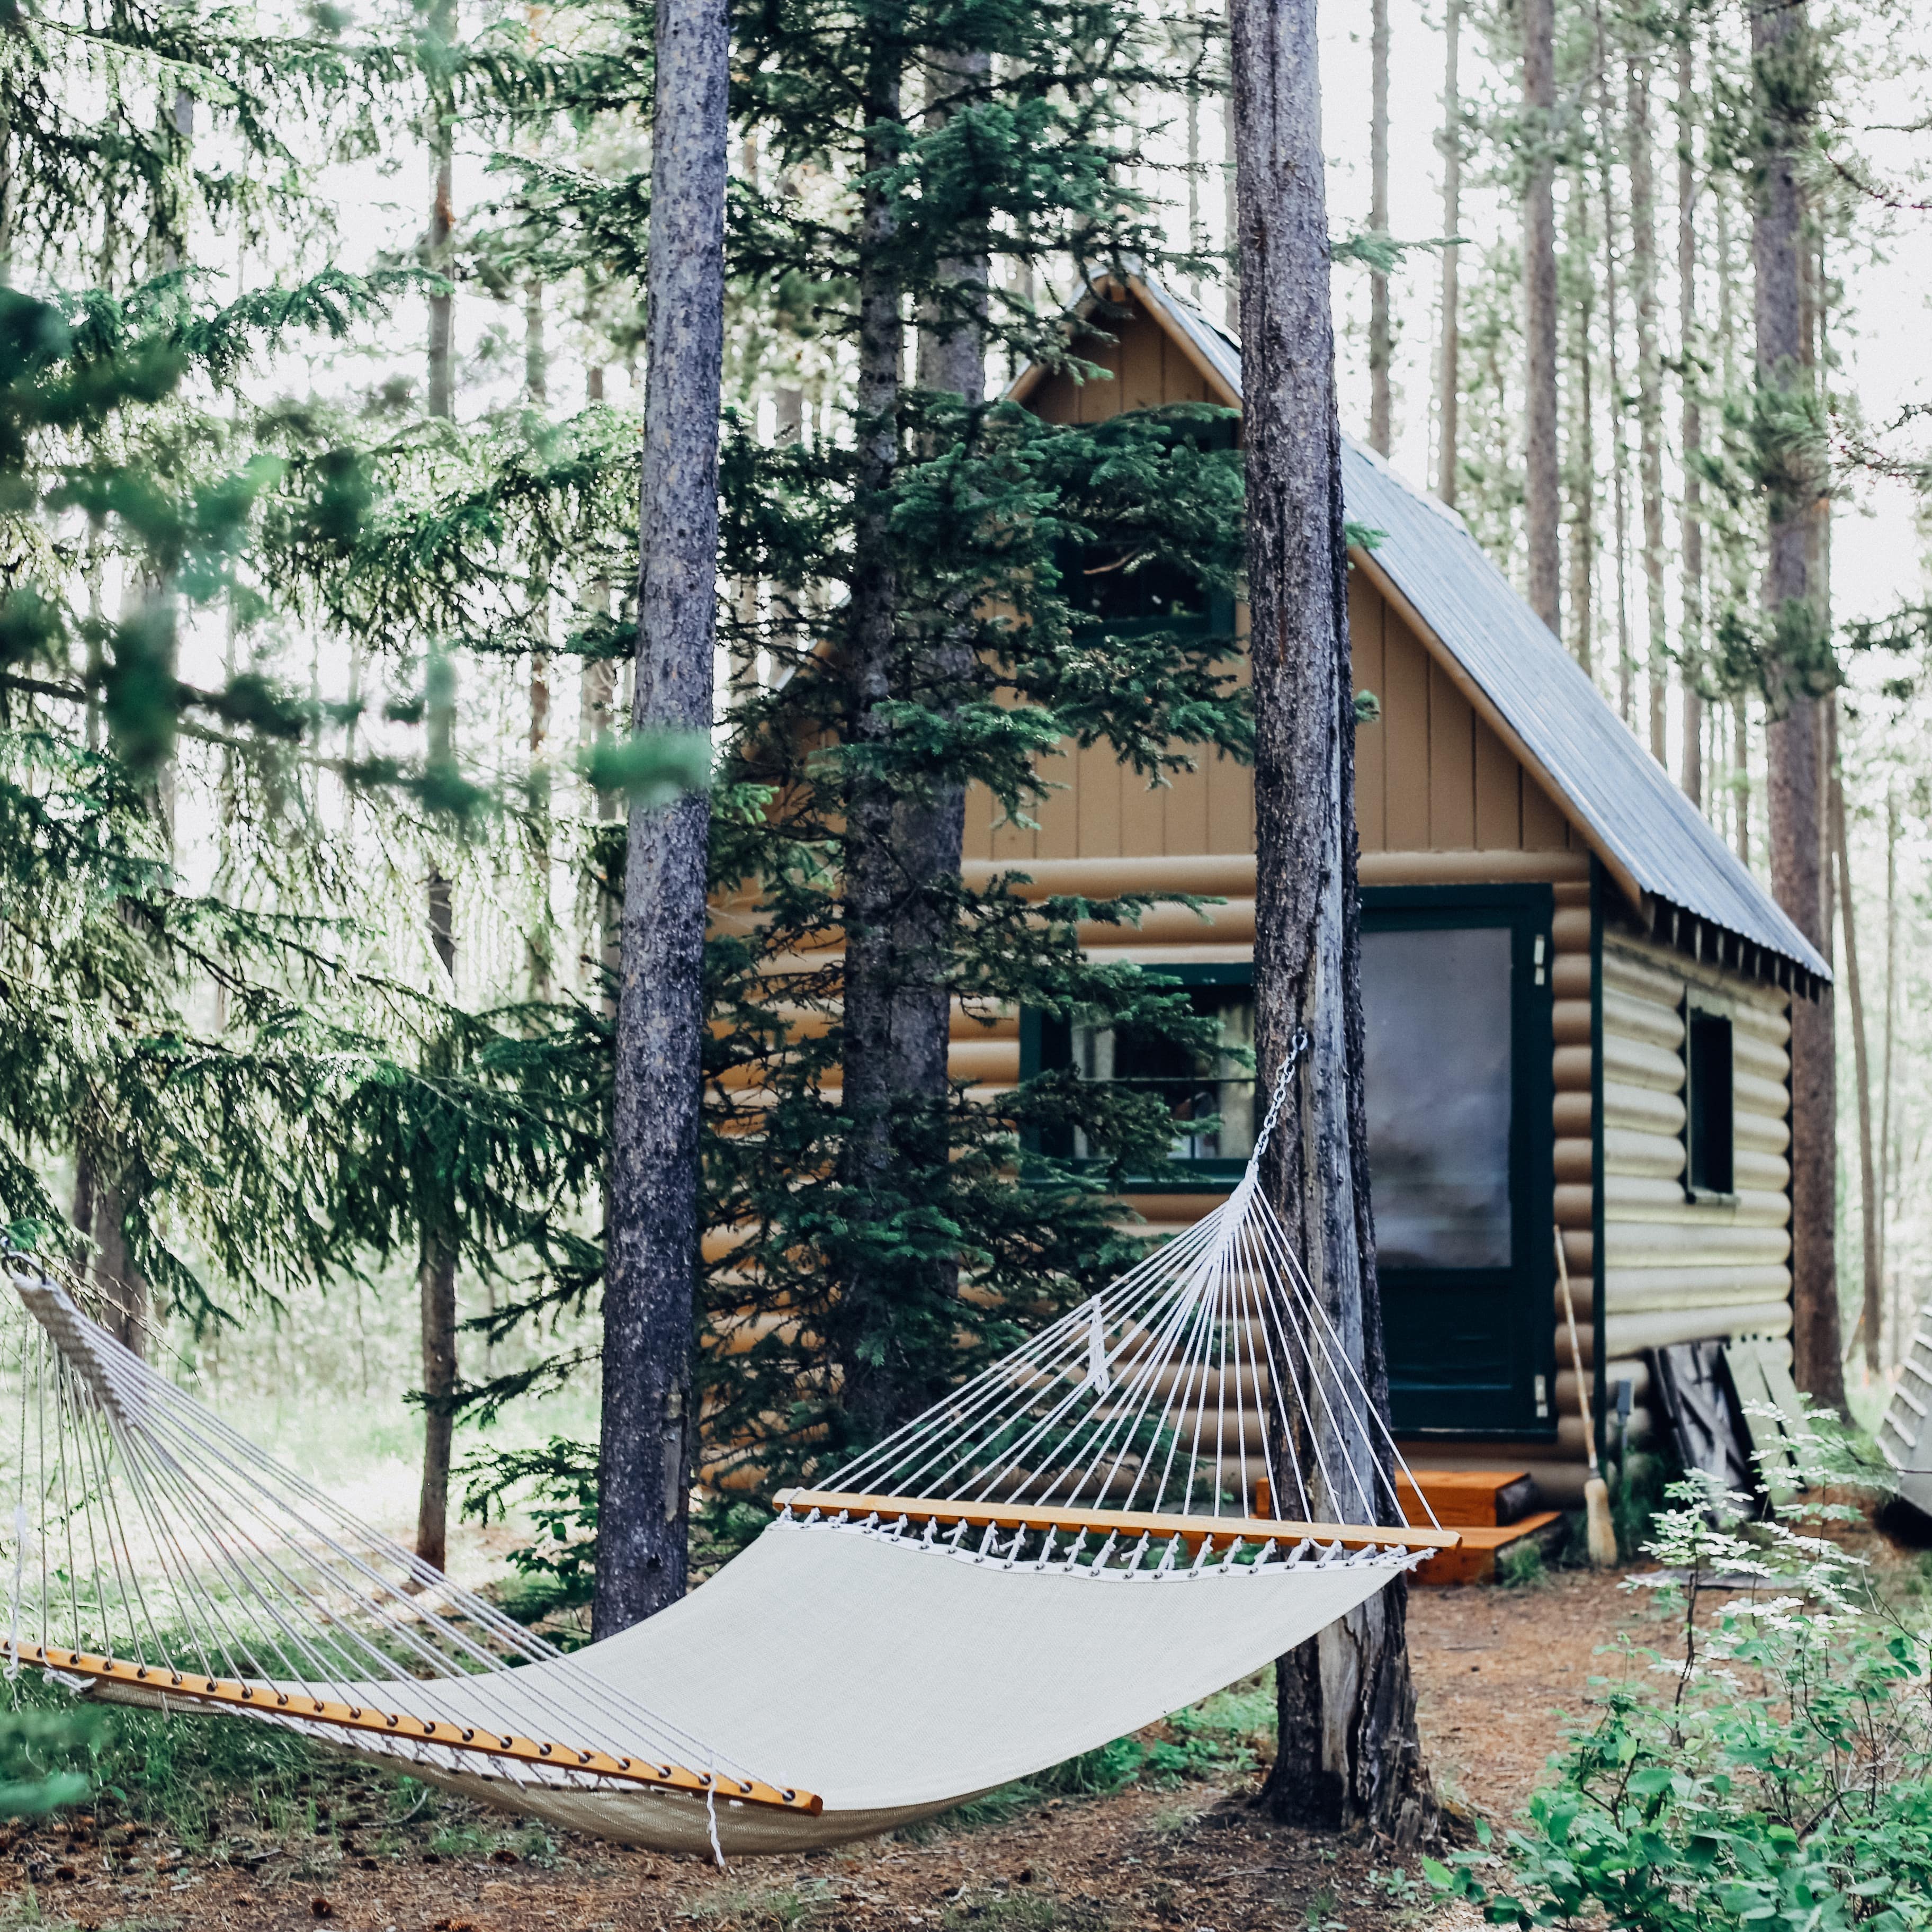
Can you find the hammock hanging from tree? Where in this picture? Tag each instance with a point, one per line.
(1082, 1539)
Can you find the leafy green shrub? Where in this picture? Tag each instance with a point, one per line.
(1775, 1771)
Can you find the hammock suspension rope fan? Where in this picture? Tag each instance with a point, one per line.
(1081, 1539)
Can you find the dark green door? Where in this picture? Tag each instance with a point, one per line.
(1456, 999)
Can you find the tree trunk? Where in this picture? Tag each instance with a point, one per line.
(1619, 449)
(1741, 777)
(1639, 159)
(1887, 1159)
(1381, 345)
(1349, 1754)
(1543, 509)
(1873, 1302)
(1579, 469)
(442, 228)
(643, 1490)
(1793, 740)
(1690, 376)
(1449, 374)
(1230, 217)
(903, 842)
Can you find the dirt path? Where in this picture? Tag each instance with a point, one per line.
(1494, 1668)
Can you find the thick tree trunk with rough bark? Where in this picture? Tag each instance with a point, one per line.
(1381, 343)
(1639, 158)
(1543, 508)
(901, 846)
(649, 1429)
(1794, 745)
(1349, 1755)
(1690, 431)
(1448, 371)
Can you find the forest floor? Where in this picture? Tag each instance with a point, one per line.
(1499, 1670)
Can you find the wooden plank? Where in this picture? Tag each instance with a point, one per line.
(1185, 817)
(1452, 766)
(1405, 726)
(1097, 779)
(1365, 611)
(1230, 784)
(1475, 1561)
(266, 1700)
(1191, 1530)
(1143, 373)
(1059, 812)
(977, 842)
(1143, 814)
(1544, 827)
(1499, 792)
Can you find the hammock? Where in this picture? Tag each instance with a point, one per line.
(1078, 1541)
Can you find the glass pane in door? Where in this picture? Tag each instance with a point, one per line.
(1436, 1003)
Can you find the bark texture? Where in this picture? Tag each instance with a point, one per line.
(1639, 157)
(1349, 1756)
(1794, 745)
(1543, 508)
(1690, 425)
(903, 844)
(1380, 341)
(1449, 374)
(1871, 1315)
(645, 1450)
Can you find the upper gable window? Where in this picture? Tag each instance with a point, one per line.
(1708, 1103)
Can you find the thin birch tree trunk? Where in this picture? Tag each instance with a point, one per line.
(1349, 1752)
(537, 946)
(646, 1451)
(1449, 374)
(1690, 426)
(1887, 1158)
(1793, 741)
(1872, 1300)
(1381, 346)
(1542, 500)
(1639, 160)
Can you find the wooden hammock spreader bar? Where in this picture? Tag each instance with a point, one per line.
(1191, 1530)
(232, 1694)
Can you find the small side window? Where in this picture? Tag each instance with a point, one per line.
(1707, 1102)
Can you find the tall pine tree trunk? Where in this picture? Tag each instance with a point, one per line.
(1580, 468)
(1448, 370)
(903, 840)
(1872, 1301)
(1794, 737)
(1691, 430)
(1639, 160)
(1619, 449)
(1381, 345)
(647, 1440)
(1543, 508)
(436, 1263)
(1349, 1753)
(1887, 1157)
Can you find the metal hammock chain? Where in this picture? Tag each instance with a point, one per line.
(1297, 1047)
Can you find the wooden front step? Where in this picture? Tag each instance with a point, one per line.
(1474, 1561)
(1467, 1498)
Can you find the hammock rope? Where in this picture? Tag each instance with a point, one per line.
(1147, 1439)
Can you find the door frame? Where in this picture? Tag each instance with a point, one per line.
(1526, 910)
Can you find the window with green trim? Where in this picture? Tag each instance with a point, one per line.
(1211, 1094)
(1709, 1103)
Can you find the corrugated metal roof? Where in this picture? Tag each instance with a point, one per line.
(1622, 796)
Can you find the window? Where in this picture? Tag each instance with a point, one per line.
(1436, 1003)
(1707, 1102)
(1211, 1094)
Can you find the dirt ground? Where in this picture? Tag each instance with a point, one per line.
(1497, 1669)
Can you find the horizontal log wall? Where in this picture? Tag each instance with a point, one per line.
(1675, 1269)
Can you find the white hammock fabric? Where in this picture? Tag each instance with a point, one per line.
(1077, 1542)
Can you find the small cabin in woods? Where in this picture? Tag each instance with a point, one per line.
(1577, 997)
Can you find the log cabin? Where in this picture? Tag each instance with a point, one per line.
(1577, 997)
